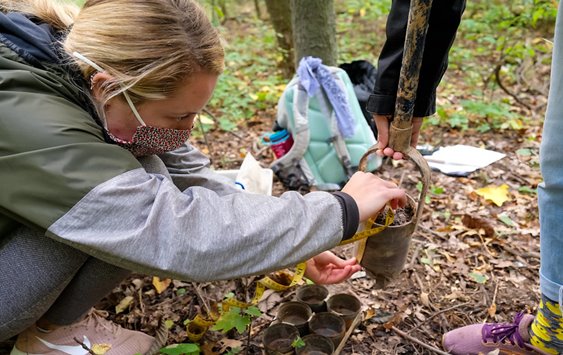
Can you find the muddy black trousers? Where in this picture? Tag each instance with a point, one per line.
(445, 17)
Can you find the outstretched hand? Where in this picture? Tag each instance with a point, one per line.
(382, 123)
(327, 268)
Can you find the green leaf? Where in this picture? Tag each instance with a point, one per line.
(180, 349)
(232, 319)
(419, 186)
(478, 277)
(436, 190)
(427, 261)
(524, 152)
(169, 323)
(253, 311)
(527, 190)
(298, 343)
(506, 220)
(484, 127)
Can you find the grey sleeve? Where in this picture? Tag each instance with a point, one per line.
(187, 167)
(144, 223)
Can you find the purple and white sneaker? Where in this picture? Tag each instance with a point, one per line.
(509, 338)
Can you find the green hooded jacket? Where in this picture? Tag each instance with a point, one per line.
(167, 215)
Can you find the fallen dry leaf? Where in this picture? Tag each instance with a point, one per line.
(124, 304)
(478, 223)
(497, 194)
(160, 285)
(100, 349)
(492, 310)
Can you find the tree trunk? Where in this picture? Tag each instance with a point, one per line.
(280, 16)
(314, 30)
(257, 8)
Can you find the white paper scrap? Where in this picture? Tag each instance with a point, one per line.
(461, 159)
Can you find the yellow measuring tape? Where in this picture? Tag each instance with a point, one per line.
(267, 282)
(366, 233)
(261, 285)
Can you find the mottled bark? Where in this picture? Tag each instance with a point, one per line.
(314, 30)
(280, 17)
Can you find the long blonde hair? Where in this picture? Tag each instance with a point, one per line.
(148, 47)
(58, 15)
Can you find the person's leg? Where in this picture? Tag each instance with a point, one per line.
(73, 282)
(92, 282)
(542, 333)
(550, 191)
(42, 278)
(34, 270)
(547, 329)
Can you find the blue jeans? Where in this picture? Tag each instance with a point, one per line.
(550, 191)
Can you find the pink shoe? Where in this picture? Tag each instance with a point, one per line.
(94, 333)
(509, 338)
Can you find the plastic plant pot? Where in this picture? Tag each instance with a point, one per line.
(313, 295)
(328, 325)
(295, 313)
(316, 345)
(278, 339)
(344, 305)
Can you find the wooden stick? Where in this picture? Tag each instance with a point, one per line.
(201, 298)
(414, 340)
(353, 326)
(446, 310)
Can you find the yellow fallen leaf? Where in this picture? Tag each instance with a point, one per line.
(100, 349)
(425, 299)
(160, 285)
(124, 304)
(492, 310)
(497, 194)
(369, 313)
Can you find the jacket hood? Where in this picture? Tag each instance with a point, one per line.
(35, 42)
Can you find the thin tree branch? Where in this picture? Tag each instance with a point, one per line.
(414, 340)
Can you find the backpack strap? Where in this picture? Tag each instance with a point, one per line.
(336, 139)
(292, 168)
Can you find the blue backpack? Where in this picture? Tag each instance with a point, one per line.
(321, 157)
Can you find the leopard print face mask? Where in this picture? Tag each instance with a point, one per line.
(147, 140)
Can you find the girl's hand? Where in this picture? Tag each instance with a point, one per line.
(327, 268)
(372, 194)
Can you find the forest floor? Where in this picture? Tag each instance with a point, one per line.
(470, 261)
(467, 263)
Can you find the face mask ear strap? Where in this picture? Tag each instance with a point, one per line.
(133, 108)
(87, 61)
(100, 69)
